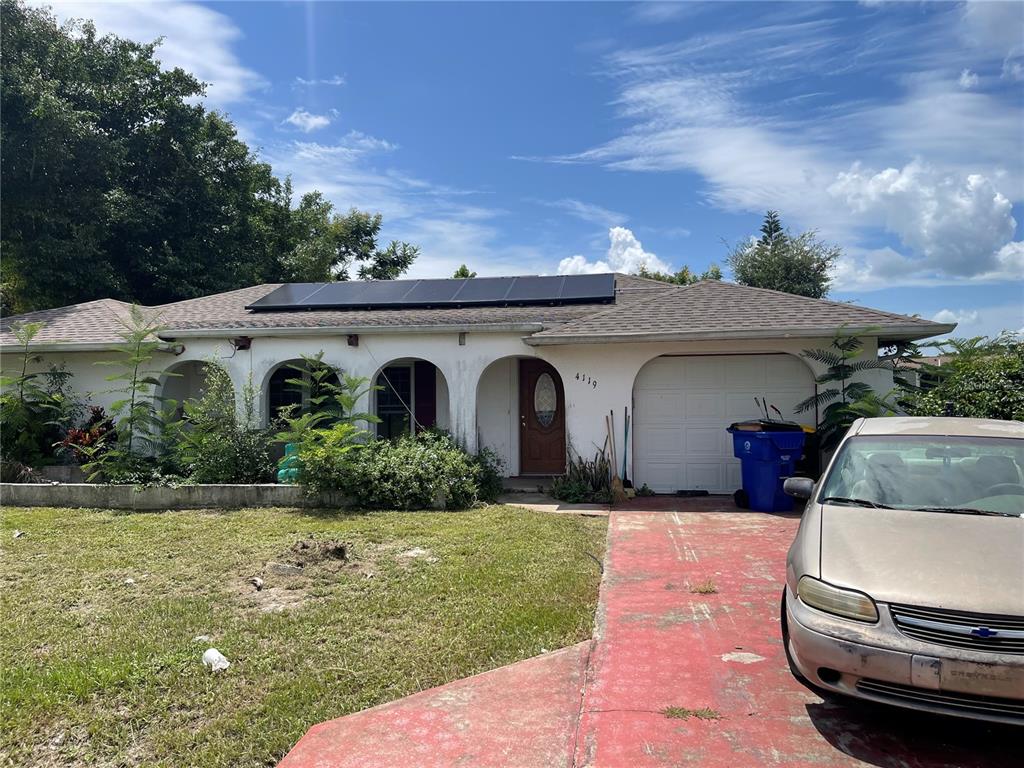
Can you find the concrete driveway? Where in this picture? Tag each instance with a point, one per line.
(689, 620)
(686, 667)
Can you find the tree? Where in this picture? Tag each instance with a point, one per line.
(463, 272)
(984, 379)
(783, 262)
(118, 183)
(329, 245)
(684, 276)
(839, 406)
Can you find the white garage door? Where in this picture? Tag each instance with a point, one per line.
(682, 406)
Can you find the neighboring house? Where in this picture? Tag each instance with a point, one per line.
(529, 367)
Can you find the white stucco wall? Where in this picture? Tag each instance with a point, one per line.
(612, 366)
(497, 412)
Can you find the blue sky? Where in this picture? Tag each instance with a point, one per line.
(529, 137)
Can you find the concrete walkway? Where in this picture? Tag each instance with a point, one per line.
(688, 620)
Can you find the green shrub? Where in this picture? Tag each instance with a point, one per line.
(326, 456)
(489, 478)
(213, 444)
(585, 481)
(983, 380)
(413, 473)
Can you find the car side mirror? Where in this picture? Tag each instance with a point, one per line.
(798, 487)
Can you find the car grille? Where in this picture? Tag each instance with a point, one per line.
(989, 632)
(959, 702)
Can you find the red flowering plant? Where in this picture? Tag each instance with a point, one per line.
(81, 442)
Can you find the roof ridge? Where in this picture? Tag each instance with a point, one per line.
(798, 296)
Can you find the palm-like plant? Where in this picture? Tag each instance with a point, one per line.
(842, 403)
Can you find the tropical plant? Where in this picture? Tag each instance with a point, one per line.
(138, 414)
(214, 442)
(846, 400)
(983, 378)
(799, 264)
(23, 405)
(328, 397)
(94, 433)
(585, 480)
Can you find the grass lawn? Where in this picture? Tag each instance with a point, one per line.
(100, 670)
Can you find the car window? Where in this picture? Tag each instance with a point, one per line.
(915, 472)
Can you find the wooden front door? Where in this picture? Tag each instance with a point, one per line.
(541, 419)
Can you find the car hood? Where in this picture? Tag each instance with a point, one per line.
(935, 559)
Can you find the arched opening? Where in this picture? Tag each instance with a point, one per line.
(411, 394)
(186, 380)
(682, 405)
(291, 389)
(520, 415)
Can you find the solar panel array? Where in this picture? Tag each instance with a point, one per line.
(451, 293)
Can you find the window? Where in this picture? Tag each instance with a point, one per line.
(283, 394)
(916, 472)
(394, 401)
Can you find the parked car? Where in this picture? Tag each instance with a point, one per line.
(905, 583)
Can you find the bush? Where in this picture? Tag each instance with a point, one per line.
(414, 473)
(489, 479)
(585, 481)
(211, 444)
(984, 380)
(325, 456)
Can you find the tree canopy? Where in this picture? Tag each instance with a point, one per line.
(464, 272)
(684, 276)
(119, 183)
(781, 261)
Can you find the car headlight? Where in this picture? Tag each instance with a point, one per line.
(840, 602)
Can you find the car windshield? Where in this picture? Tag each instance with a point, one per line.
(980, 475)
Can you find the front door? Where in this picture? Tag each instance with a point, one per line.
(541, 419)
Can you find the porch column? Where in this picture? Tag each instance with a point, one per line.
(462, 379)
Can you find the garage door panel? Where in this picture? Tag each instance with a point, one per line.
(703, 477)
(702, 405)
(750, 370)
(682, 406)
(702, 441)
(664, 443)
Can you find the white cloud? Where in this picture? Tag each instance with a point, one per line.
(335, 80)
(196, 38)
(625, 254)
(959, 316)
(968, 80)
(595, 214)
(307, 121)
(957, 224)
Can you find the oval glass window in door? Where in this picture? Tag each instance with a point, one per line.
(545, 399)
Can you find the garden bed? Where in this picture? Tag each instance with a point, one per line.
(157, 497)
(107, 616)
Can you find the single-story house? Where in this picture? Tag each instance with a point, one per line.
(528, 366)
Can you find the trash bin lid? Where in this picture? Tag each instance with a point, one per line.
(765, 425)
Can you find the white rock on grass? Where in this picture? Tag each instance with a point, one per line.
(215, 660)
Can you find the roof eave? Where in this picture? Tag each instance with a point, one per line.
(888, 333)
(339, 330)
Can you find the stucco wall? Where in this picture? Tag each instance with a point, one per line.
(597, 377)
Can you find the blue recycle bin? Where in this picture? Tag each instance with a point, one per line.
(767, 459)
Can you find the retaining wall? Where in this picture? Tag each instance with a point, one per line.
(162, 497)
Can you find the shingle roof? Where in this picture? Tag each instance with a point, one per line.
(644, 309)
(716, 308)
(92, 322)
(98, 322)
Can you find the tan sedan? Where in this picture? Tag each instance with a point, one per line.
(905, 583)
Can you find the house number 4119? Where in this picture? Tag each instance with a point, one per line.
(586, 379)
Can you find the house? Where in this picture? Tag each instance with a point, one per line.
(527, 366)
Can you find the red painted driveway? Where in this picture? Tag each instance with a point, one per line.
(658, 645)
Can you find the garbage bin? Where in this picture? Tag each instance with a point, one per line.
(767, 458)
(288, 474)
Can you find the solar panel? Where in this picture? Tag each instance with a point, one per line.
(432, 292)
(481, 291)
(579, 287)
